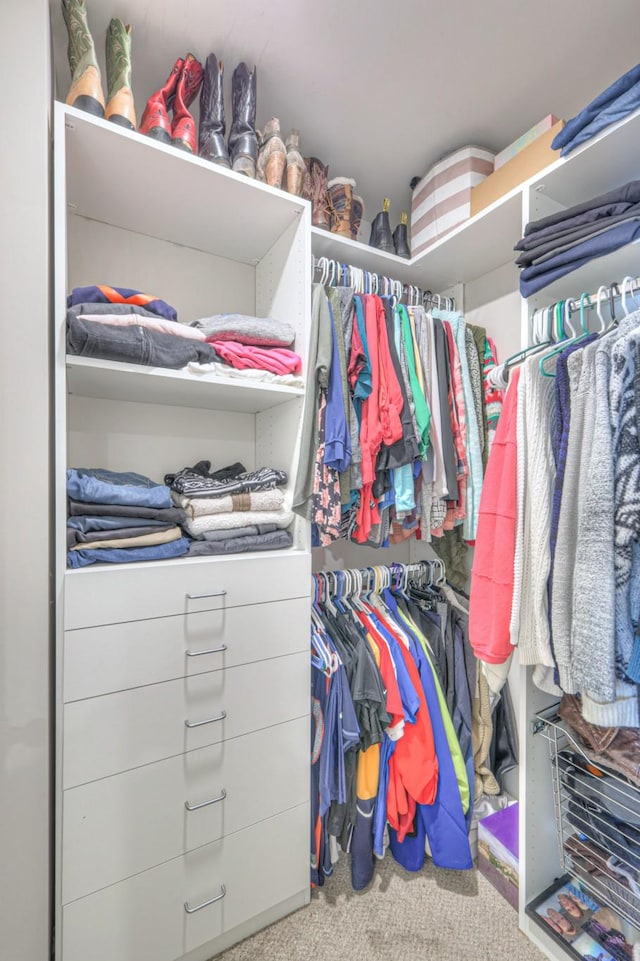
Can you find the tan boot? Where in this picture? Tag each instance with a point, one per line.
(340, 199)
(296, 169)
(272, 156)
(86, 82)
(120, 107)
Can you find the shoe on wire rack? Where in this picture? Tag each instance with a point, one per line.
(381, 236)
(340, 200)
(155, 119)
(86, 91)
(120, 107)
(211, 142)
(401, 239)
(272, 155)
(183, 128)
(243, 142)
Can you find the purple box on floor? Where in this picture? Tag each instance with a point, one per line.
(498, 852)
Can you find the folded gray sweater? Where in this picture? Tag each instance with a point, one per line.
(255, 331)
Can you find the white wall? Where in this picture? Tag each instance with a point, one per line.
(24, 485)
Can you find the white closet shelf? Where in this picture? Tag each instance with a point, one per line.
(88, 377)
(476, 247)
(326, 244)
(113, 172)
(222, 559)
(598, 166)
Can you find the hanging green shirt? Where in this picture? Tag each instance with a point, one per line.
(422, 412)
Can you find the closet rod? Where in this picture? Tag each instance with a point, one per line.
(334, 273)
(349, 581)
(606, 294)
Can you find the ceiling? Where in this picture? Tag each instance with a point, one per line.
(379, 91)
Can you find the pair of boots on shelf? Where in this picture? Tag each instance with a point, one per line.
(382, 238)
(241, 153)
(334, 205)
(86, 91)
(177, 94)
(264, 156)
(279, 163)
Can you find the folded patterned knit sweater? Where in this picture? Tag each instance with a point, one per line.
(269, 500)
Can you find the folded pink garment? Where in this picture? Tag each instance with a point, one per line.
(152, 323)
(277, 360)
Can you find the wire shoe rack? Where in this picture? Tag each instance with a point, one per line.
(597, 813)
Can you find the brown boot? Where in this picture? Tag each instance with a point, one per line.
(357, 213)
(315, 190)
(272, 156)
(296, 168)
(340, 200)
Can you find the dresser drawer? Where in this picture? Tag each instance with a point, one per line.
(130, 592)
(144, 917)
(99, 660)
(116, 732)
(122, 825)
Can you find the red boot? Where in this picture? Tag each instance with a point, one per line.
(183, 130)
(155, 119)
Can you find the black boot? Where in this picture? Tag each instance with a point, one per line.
(381, 230)
(400, 238)
(243, 143)
(211, 142)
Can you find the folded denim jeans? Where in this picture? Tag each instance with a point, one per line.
(622, 94)
(628, 193)
(135, 345)
(128, 555)
(167, 515)
(100, 538)
(538, 276)
(276, 541)
(571, 223)
(102, 486)
(84, 524)
(565, 241)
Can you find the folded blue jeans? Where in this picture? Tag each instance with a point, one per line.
(598, 106)
(88, 525)
(135, 345)
(101, 486)
(128, 555)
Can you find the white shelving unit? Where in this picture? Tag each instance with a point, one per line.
(182, 685)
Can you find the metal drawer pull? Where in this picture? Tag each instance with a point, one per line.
(205, 904)
(199, 597)
(205, 804)
(214, 650)
(210, 720)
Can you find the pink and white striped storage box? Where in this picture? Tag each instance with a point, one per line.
(442, 199)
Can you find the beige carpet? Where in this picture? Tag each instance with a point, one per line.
(432, 916)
